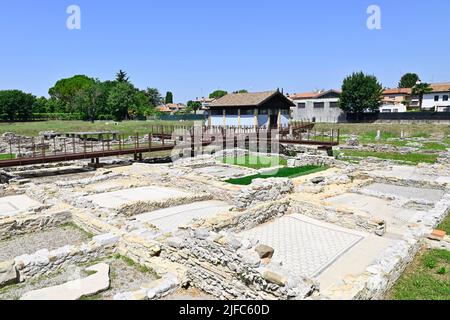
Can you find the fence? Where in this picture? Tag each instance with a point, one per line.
(398, 116)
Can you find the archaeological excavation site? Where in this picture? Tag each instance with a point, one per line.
(96, 216)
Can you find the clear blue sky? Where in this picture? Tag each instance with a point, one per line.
(193, 47)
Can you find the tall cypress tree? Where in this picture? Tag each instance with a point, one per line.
(169, 97)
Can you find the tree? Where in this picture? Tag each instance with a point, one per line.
(40, 105)
(361, 92)
(65, 90)
(420, 89)
(218, 94)
(193, 106)
(91, 101)
(122, 77)
(16, 105)
(154, 97)
(241, 91)
(408, 80)
(120, 98)
(169, 97)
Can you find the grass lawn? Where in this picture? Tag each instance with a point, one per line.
(126, 128)
(256, 162)
(436, 146)
(7, 156)
(415, 158)
(388, 130)
(279, 173)
(445, 225)
(427, 278)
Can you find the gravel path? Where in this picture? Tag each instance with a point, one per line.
(49, 239)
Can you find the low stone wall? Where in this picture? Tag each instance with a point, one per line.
(243, 220)
(307, 159)
(15, 226)
(230, 268)
(45, 262)
(262, 190)
(139, 207)
(343, 218)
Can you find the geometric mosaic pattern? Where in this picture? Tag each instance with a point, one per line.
(305, 248)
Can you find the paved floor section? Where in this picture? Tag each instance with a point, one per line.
(306, 246)
(410, 173)
(12, 205)
(170, 219)
(116, 199)
(395, 216)
(410, 193)
(223, 172)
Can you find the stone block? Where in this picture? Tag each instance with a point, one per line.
(8, 273)
(275, 278)
(438, 235)
(264, 251)
(107, 239)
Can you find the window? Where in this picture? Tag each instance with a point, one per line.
(334, 104)
(301, 105)
(319, 104)
(445, 98)
(386, 110)
(436, 98)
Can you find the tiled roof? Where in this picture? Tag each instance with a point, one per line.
(244, 99)
(312, 95)
(397, 91)
(440, 87)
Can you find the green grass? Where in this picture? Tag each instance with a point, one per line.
(126, 128)
(278, 173)
(256, 162)
(7, 156)
(445, 225)
(428, 278)
(414, 158)
(434, 146)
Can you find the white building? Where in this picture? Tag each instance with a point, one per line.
(439, 98)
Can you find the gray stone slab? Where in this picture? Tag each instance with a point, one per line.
(118, 198)
(169, 219)
(12, 205)
(223, 172)
(409, 193)
(305, 246)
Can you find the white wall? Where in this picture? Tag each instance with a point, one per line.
(216, 120)
(325, 114)
(428, 100)
(392, 107)
(247, 120)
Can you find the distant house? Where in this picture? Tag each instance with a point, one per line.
(319, 106)
(262, 109)
(438, 99)
(171, 108)
(395, 99)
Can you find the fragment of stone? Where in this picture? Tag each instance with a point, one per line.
(275, 278)
(264, 251)
(8, 273)
(318, 180)
(74, 290)
(437, 235)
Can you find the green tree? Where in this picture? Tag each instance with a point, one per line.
(40, 105)
(154, 97)
(119, 99)
(92, 100)
(361, 92)
(241, 91)
(16, 105)
(122, 77)
(193, 106)
(420, 89)
(408, 80)
(65, 90)
(169, 97)
(218, 94)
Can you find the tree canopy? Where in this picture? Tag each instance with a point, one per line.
(121, 76)
(408, 80)
(16, 105)
(218, 94)
(361, 92)
(420, 89)
(169, 97)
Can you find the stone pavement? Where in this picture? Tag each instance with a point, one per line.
(13, 205)
(307, 247)
(409, 193)
(73, 290)
(169, 219)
